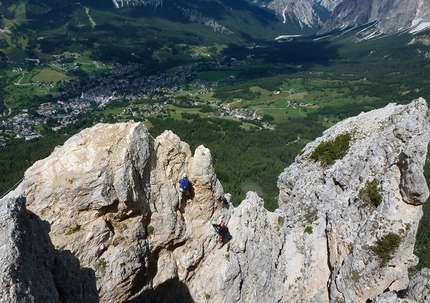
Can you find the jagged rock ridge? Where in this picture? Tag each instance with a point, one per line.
(307, 13)
(389, 16)
(126, 3)
(385, 16)
(109, 197)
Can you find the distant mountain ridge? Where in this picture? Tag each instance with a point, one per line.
(123, 3)
(389, 16)
(323, 16)
(308, 13)
(240, 19)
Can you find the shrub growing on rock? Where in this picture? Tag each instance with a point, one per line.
(308, 229)
(100, 265)
(150, 229)
(386, 246)
(370, 193)
(328, 152)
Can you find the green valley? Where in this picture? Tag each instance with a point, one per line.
(253, 101)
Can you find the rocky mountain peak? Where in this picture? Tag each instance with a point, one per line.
(387, 16)
(127, 3)
(98, 220)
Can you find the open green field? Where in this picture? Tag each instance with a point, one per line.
(249, 185)
(90, 66)
(216, 75)
(28, 88)
(176, 112)
(113, 111)
(50, 75)
(293, 97)
(18, 96)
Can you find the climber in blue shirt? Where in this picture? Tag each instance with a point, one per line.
(184, 188)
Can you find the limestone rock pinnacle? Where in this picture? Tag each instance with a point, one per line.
(105, 206)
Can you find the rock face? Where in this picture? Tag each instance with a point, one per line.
(302, 12)
(389, 16)
(128, 3)
(344, 227)
(307, 13)
(31, 269)
(104, 206)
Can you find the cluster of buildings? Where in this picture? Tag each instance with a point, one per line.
(119, 82)
(142, 110)
(226, 110)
